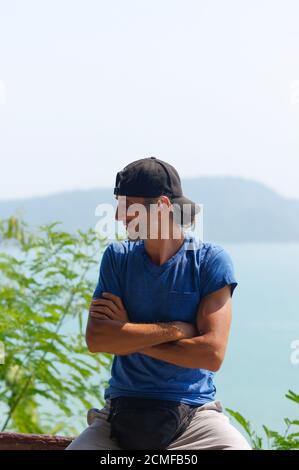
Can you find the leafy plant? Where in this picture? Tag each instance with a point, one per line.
(275, 441)
(44, 285)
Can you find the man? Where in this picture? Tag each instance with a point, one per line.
(163, 307)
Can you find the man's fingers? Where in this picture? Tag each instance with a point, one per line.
(99, 316)
(113, 297)
(108, 303)
(103, 310)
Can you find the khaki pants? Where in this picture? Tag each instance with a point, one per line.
(210, 429)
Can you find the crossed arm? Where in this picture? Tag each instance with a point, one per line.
(180, 343)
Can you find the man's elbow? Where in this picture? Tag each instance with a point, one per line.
(216, 361)
(98, 347)
(101, 343)
(96, 344)
(94, 337)
(92, 345)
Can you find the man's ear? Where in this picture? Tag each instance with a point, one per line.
(164, 201)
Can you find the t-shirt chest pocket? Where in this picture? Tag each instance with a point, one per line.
(183, 305)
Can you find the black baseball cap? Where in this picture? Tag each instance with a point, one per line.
(152, 177)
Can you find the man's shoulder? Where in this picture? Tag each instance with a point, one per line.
(214, 256)
(209, 255)
(205, 250)
(210, 250)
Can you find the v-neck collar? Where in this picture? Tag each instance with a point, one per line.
(155, 268)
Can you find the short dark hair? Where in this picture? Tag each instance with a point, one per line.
(177, 212)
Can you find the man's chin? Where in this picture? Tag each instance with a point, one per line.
(133, 238)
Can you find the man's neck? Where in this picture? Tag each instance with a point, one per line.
(160, 250)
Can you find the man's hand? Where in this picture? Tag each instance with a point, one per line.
(188, 329)
(111, 307)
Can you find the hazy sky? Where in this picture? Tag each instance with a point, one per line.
(88, 86)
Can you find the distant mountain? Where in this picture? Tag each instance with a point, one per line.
(235, 209)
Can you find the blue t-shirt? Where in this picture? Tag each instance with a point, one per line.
(165, 293)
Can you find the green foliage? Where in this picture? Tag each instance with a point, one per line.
(44, 286)
(275, 441)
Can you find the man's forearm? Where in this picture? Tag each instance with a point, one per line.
(198, 352)
(120, 338)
